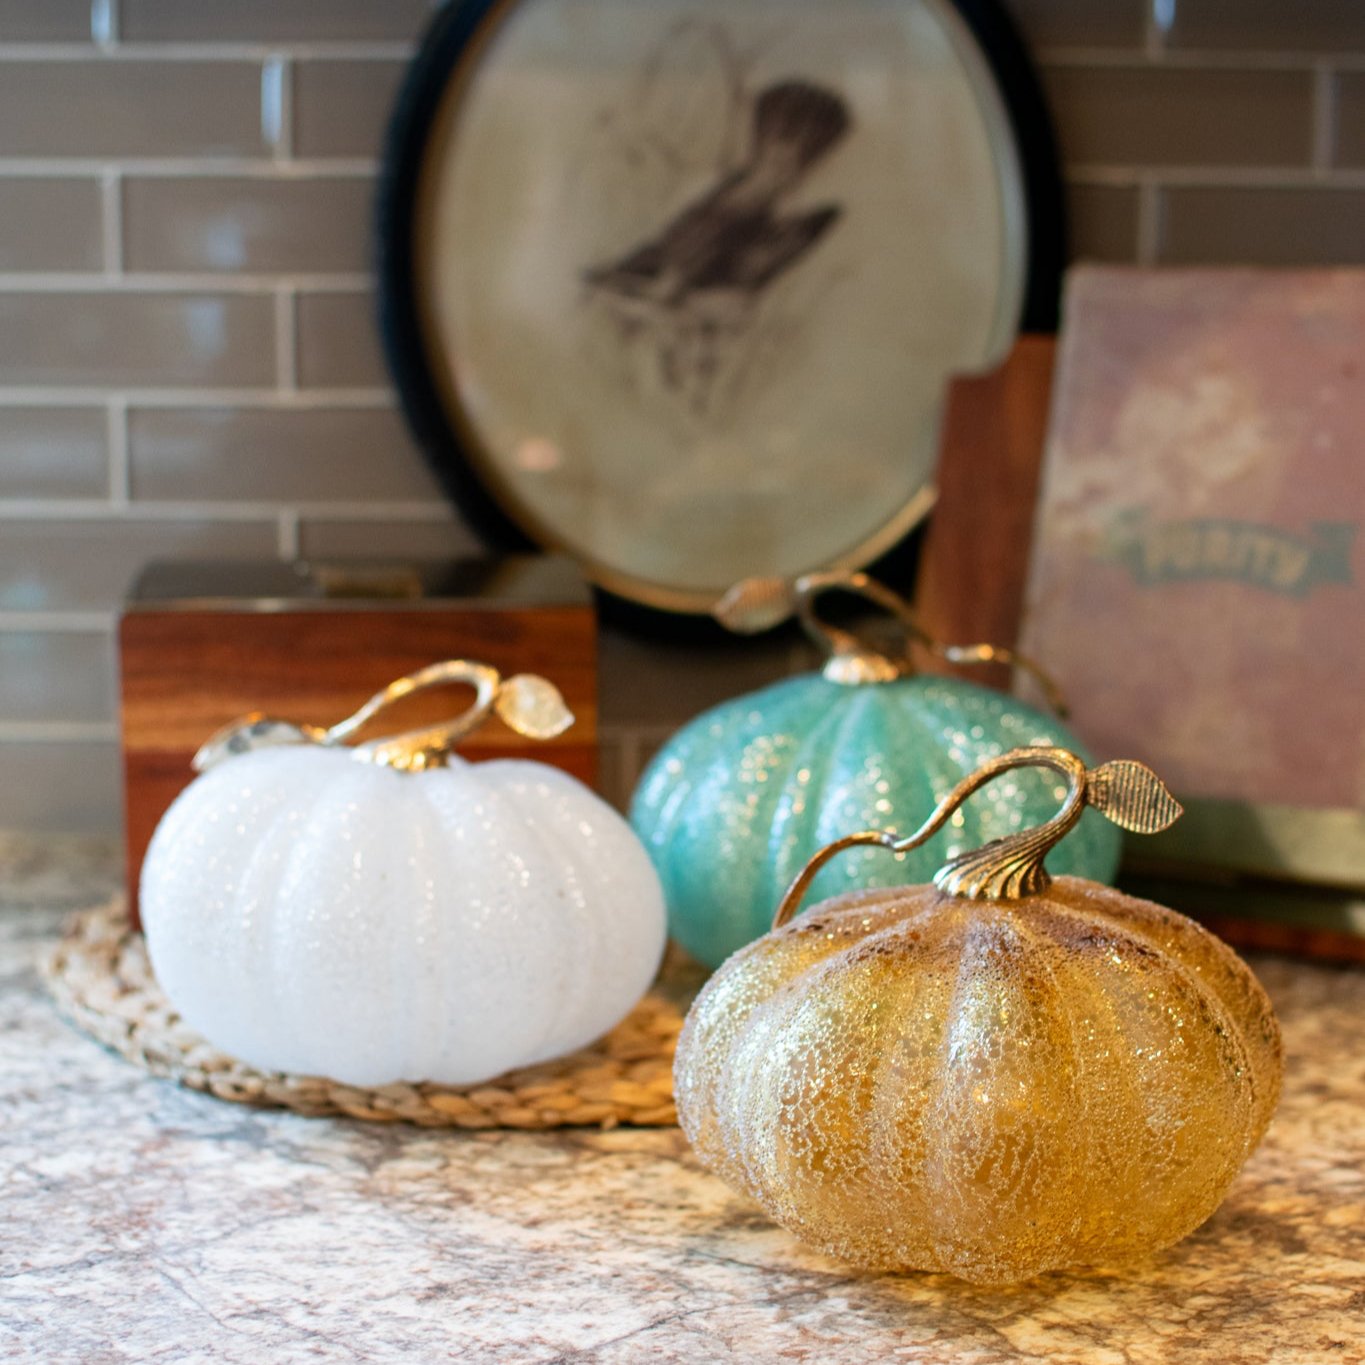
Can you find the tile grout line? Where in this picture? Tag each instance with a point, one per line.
(286, 340)
(191, 168)
(57, 731)
(149, 50)
(38, 510)
(1148, 221)
(1219, 177)
(273, 76)
(263, 399)
(111, 225)
(118, 281)
(284, 150)
(1192, 59)
(104, 24)
(58, 622)
(1155, 14)
(116, 421)
(1324, 118)
(287, 534)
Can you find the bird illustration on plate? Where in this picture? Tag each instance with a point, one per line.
(692, 286)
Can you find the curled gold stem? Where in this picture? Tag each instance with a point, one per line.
(850, 660)
(1005, 869)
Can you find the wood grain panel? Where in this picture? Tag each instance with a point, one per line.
(186, 673)
(976, 549)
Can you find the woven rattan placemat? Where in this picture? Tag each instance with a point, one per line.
(101, 979)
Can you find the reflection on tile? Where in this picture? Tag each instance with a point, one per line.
(53, 453)
(341, 108)
(338, 338)
(1080, 23)
(1146, 116)
(294, 455)
(261, 21)
(49, 224)
(247, 223)
(88, 565)
(48, 675)
(44, 21)
(66, 787)
(1102, 223)
(1349, 141)
(388, 539)
(1334, 26)
(159, 340)
(657, 682)
(116, 107)
(1228, 226)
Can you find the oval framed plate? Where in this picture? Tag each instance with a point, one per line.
(676, 287)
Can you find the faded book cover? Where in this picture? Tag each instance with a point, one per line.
(1197, 582)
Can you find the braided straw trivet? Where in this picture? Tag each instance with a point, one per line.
(101, 979)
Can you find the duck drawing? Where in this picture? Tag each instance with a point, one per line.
(735, 239)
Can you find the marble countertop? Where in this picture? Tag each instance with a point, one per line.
(146, 1223)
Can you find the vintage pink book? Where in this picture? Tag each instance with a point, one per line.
(1198, 573)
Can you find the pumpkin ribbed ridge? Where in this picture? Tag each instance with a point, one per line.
(737, 801)
(910, 1080)
(309, 913)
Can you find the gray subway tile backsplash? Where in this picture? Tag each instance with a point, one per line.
(654, 683)
(272, 21)
(247, 223)
(185, 410)
(114, 107)
(341, 108)
(339, 341)
(52, 676)
(145, 340)
(1348, 132)
(1327, 26)
(343, 538)
(1102, 222)
(53, 453)
(44, 21)
(1232, 225)
(87, 565)
(289, 455)
(1138, 115)
(67, 786)
(1081, 23)
(50, 224)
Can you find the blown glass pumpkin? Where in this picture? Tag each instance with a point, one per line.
(391, 912)
(995, 1075)
(740, 797)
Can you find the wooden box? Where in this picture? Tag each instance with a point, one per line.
(202, 644)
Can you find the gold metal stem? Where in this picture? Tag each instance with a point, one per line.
(760, 603)
(1128, 793)
(527, 704)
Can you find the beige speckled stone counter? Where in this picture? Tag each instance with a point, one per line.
(143, 1222)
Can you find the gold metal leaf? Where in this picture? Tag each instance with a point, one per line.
(1132, 796)
(249, 732)
(756, 604)
(533, 706)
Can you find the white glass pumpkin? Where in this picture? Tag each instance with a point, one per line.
(392, 912)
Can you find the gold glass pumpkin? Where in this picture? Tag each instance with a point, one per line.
(994, 1076)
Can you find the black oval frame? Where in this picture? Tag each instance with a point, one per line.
(455, 26)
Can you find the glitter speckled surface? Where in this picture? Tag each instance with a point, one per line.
(308, 913)
(143, 1222)
(909, 1080)
(737, 801)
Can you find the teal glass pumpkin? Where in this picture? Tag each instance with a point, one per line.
(740, 798)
